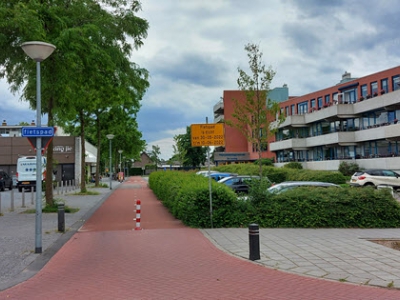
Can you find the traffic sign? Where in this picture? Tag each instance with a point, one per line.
(37, 131)
(207, 135)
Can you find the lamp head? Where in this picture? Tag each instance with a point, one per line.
(38, 51)
(110, 136)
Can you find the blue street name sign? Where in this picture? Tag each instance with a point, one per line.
(37, 131)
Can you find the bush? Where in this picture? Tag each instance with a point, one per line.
(348, 169)
(265, 162)
(294, 165)
(187, 197)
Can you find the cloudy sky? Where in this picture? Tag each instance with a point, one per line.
(194, 48)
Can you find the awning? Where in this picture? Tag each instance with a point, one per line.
(348, 86)
(90, 157)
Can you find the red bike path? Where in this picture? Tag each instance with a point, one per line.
(108, 259)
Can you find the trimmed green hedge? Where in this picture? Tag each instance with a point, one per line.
(187, 197)
(278, 175)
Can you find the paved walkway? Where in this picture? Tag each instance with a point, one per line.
(107, 259)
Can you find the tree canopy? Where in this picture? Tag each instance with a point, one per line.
(89, 78)
(254, 116)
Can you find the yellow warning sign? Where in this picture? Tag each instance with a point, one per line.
(207, 135)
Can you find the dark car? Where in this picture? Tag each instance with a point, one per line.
(241, 183)
(5, 181)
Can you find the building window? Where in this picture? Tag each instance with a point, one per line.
(364, 90)
(374, 88)
(312, 103)
(349, 96)
(335, 97)
(327, 99)
(286, 111)
(320, 102)
(396, 82)
(302, 108)
(293, 108)
(384, 86)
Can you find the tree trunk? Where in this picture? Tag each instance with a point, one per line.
(83, 153)
(97, 178)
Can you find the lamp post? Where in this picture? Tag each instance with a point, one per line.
(38, 51)
(110, 137)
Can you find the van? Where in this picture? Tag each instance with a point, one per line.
(26, 172)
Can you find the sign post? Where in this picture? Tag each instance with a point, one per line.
(205, 135)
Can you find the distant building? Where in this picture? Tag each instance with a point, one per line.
(66, 149)
(355, 120)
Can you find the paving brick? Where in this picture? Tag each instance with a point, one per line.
(107, 259)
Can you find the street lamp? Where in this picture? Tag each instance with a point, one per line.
(110, 137)
(38, 51)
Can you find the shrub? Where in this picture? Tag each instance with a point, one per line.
(265, 162)
(348, 169)
(187, 197)
(294, 165)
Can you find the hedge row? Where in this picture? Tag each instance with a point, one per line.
(278, 175)
(187, 197)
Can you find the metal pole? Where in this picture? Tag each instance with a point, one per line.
(61, 217)
(209, 182)
(38, 227)
(110, 168)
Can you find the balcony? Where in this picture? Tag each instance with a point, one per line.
(219, 108)
(218, 118)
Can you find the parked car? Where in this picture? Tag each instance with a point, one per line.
(375, 177)
(288, 185)
(5, 181)
(205, 173)
(219, 176)
(240, 183)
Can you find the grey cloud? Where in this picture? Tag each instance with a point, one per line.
(194, 69)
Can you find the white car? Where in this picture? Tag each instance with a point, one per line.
(376, 177)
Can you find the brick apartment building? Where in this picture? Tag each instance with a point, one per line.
(355, 119)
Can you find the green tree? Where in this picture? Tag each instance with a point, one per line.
(94, 41)
(179, 151)
(155, 155)
(193, 156)
(255, 117)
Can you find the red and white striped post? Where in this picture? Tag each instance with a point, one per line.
(138, 215)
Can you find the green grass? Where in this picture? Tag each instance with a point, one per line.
(89, 193)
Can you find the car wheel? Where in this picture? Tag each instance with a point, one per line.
(20, 190)
(2, 187)
(369, 184)
(10, 187)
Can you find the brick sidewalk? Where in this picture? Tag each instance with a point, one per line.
(107, 259)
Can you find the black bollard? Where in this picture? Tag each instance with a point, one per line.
(61, 217)
(254, 242)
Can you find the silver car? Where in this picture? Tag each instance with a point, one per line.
(288, 185)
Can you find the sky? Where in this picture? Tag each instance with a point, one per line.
(194, 48)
